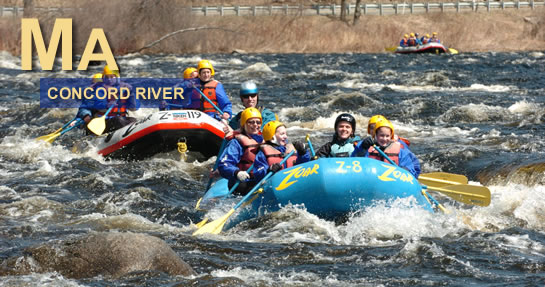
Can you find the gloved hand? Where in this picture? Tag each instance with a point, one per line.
(275, 167)
(242, 175)
(367, 143)
(299, 147)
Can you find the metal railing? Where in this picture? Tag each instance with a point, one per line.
(333, 9)
(366, 9)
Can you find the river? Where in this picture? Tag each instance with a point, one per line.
(477, 114)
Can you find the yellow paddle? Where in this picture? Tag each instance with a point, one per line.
(52, 136)
(452, 51)
(98, 125)
(465, 193)
(216, 226)
(390, 49)
(439, 179)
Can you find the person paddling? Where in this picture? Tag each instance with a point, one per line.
(249, 96)
(276, 147)
(344, 138)
(384, 138)
(188, 83)
(213, 90)
(110, 96)
(240, 154)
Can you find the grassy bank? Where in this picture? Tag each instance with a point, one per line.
(130, 27)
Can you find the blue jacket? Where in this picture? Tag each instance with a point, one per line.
(362, 149)
(231, 157)
(89, 107)
(262, 159)
(405, 161)
(266, 114)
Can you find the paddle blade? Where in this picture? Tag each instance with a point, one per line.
(202, 223)
(452, 51)
(439, 179)
(468, 194)
(97, 125)
(215, 226)
(390, 49)
(49, 138)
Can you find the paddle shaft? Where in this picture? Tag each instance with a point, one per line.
(312, 153)
(424, 187)
(247, 196)
(238, 182)
(216, 163)
(79, 122)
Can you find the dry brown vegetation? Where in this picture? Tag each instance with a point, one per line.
(130, 25)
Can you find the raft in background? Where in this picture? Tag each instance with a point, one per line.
(434, 48)
(161, 132)
(328, 187)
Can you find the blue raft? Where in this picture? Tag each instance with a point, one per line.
(331, 187)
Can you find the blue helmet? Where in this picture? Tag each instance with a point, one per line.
(248, 88)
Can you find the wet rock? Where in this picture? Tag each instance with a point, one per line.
(112, 254)
(528, 174)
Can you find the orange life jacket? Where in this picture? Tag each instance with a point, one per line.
(209, 90)
(406, 141)
(392, 151)
(120, 110)
(249, 151)
(275, 156)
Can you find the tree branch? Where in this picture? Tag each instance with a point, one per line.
(178, 32)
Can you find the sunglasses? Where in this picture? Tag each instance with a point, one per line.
(248, 96)
(255, 122)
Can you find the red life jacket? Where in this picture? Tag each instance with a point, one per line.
(209, 90)
(412, 42)
(249, 151)
(275, 156)
(392, 151)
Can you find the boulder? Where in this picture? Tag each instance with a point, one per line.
(109, 254)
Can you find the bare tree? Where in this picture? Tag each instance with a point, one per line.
(357, 12)
(343, 10)
(28, 8)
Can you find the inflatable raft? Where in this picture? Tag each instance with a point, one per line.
(161, 132)
(330, 187)
(435, 48)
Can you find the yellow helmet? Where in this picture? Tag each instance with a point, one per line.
(188, 72)
(427, 35)
(373, 120)
(97, 78)
(406, 36)
(108, 71)
(248, 114)
(434, 33)
(205, 64)
(384, 123)
(412, 34)
(269, 130)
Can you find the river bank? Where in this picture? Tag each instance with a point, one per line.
(500, 31)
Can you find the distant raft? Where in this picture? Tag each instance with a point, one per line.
(435, 48)
(161, 132)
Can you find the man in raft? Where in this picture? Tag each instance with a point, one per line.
(107, 97)
(213, 90)
(249, 96)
